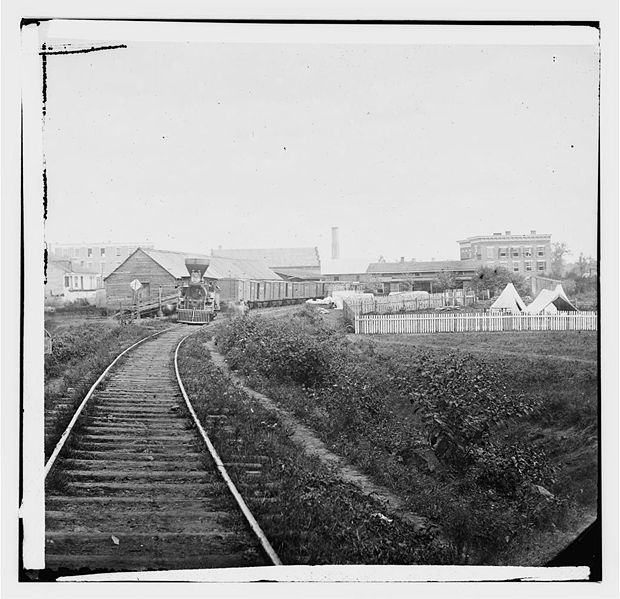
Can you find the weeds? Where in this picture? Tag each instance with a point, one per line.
(309, 516)
(421, 420)
(79, 356)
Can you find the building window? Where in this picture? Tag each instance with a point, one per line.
(503, 252)
(527, 252)
(90, 252)
(528, 265)
(118, 251)
(75, 282)
(540, 250)
(515, 252)
(540, 265)
(515, 267)
(102, 250)
(67, 281)
(490, 253)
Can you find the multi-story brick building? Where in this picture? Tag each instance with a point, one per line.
(526, 254)
(102, 258)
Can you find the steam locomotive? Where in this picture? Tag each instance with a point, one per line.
(198, 301)
(202, 297)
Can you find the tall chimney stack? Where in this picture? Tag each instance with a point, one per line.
(335, 244)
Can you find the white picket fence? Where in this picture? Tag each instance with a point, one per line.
(382, 324)
(354, 306)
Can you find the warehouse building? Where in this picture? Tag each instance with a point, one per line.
(164, 272)
(411, 275)
(300, 263)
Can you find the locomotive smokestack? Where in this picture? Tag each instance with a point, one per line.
(335, 244)
(198, 264)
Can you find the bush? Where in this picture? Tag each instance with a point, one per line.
(460, 410)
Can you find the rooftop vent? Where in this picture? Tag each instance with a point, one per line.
(507, 232)
(532, 232)
(497, 234)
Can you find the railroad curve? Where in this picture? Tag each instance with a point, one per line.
(135, 489)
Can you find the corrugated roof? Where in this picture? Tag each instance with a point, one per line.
(414, 266)
(275, 257)
(219, 267)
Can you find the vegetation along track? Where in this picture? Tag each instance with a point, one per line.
(133, 488)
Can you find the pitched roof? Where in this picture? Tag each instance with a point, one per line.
(275, 257)
(297, 273)
(509, 299)
(70, 266)
(546, 298)
(219, 268)
(342, 266)
(415, 266)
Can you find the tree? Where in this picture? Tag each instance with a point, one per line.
(443, 281)
(558, 251)
(495, 279)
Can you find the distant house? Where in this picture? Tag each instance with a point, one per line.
(68, 282)
(157, 269)
(301, 262)
(412, 275)
(104, 257)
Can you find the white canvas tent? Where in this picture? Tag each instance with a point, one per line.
(550, 302)
(509, 300)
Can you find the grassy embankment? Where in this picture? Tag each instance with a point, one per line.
(79, 355)
(497, 449)
(307, 513)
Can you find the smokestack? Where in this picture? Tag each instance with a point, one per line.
(335, 244)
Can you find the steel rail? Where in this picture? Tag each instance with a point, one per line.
(65, 435)
(273, 556)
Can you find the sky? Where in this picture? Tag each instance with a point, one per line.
(406, 147)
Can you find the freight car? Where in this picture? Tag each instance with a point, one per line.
(257, 294)
(201, 297)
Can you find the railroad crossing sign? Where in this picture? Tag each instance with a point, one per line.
(135, 284)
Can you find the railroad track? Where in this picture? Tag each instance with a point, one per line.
(134, 487)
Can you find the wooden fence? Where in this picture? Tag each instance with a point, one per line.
(373, 324)
(393, 304)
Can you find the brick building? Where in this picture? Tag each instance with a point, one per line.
(525, 254)
(102, 258)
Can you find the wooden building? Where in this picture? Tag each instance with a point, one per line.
(164, 272)
(301, 263)
(68, 282)
(411, 275)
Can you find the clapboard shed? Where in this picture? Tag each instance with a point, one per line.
(151, 274)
